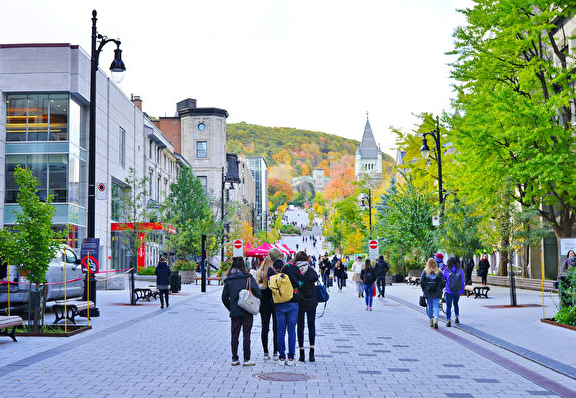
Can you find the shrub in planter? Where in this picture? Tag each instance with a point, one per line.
(150, 270)
(183, 265)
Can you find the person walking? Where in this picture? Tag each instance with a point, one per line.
(286, 313)
(432, 283)
(368, 277)
(237, 278)
(163, 281)
(454, 288)
(325, 267)
(380, 270)
(439, 258)
(267, 310)
(468, 270)
(340, 274)
(307, 304)
(483, 267)
(357, 270)
(570, 261)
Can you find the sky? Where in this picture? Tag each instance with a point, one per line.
(310, 64)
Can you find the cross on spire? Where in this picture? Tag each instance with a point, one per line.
(366, 115)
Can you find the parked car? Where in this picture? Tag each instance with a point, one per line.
(54, 277)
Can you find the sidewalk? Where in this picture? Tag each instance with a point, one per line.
(136, 351)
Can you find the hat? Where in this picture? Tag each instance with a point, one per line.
(274, 253)
(440, 256)
(359, 257)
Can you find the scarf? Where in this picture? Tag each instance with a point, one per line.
(303, 266)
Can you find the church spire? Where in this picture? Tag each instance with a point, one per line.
(368, 147)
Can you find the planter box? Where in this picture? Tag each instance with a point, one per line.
(551, 321)
(58, 331)
(187, 276)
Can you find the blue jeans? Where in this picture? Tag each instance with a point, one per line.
(452, 298)
(368, 288)
(286, 318)
(433, 307)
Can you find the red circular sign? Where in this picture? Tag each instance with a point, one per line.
(237, 244)
(373, 244)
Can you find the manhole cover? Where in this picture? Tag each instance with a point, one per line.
(279, 376)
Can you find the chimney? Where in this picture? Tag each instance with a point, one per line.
(185, 105)
(136, 100)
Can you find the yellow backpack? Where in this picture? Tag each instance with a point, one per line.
(281, 287)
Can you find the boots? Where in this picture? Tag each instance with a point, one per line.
(311, 357)
(435, 323)
(301, 359)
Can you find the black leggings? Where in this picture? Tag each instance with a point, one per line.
(164, 294)
(265, 318)
(311, 315)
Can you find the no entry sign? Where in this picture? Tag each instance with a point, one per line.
(237, 245)
(373, 249)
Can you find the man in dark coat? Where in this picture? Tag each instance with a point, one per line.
(325, 268)
(163, 281)
(380, 270)
(469, 266)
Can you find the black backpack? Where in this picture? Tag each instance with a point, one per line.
(454, 282)
(432, 283)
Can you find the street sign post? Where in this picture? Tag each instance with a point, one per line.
(238, 245)
(373, 249)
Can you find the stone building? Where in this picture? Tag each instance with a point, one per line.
(368, 160)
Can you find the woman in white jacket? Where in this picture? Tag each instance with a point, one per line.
(357, 269)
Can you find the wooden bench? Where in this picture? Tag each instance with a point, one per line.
(212, 278)
(74, 308)
(477, 291)
(145, 293)
(7, 322)
(413, 277)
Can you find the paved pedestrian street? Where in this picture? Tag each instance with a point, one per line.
(184, 351)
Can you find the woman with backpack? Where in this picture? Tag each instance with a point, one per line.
(307, 304)
(432, 283)
(267, 310)
(237, 278)
(286, 312)
(454, 288)
(368, 277)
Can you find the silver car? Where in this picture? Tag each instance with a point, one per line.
(65, 258)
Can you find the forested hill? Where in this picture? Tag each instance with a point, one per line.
(302, 148)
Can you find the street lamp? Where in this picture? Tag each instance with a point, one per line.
(368, 201)
(425, 151)
(224, 181)
(117, 67)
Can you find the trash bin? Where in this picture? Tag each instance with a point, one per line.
(175, 282)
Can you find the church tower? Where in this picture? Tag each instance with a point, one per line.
(368, 156)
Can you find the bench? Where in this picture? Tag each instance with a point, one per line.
(413, 277)
(212, 278)
(145, 293)
(7, 322)
(477, 291)
(74, 308)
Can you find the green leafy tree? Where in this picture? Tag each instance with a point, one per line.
(515, 74)
(32, 243)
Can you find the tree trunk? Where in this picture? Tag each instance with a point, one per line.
(35, 307)
(525, 260)
(503, 263)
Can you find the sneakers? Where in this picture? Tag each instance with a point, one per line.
(290, 362)
(435, 323)
(457, 321)
(266, 357)
(275, 356)
(431, 323)
(448, 324)
(369, 308)
(235, 363)
(248, 363)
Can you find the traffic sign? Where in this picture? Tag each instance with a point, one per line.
(237, 244)
(101, 192)
(373, 249)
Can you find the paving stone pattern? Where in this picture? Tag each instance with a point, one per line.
(185, 352)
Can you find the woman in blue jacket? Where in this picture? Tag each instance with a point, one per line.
(454, 288)
(163, 280)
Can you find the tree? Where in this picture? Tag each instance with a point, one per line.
(515, 72)
(32, 242)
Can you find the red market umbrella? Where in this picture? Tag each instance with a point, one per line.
(287, 248)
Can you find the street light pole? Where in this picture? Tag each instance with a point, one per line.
(425, 151)
(222, 217)
(369, 208)
(98, 42)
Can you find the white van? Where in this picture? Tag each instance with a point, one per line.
(65, 257)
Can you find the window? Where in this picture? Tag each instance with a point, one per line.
(158, 189)
(122, 147)
(119, 193)
(37, 117)
(204, 182)
(151, 150)
(201, 149)
(150, 181)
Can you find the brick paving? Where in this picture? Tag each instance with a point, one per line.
(184, 351)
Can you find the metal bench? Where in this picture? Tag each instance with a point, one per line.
(212, 278)
(145, 293)
(477, 291)
(7, 322)
(73, 308)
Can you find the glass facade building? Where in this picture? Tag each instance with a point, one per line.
(259, 170)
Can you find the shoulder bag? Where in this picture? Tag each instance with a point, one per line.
(247, 301)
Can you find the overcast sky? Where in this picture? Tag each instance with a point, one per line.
(311, 64)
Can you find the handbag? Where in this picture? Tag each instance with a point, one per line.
(321, 293)
(374, 291)
(422, 301)
(247, 301)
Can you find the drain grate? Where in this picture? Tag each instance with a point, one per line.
(282, 376)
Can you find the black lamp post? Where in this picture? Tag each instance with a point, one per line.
(224, 181)
(117, 68)
(425, 151)
(368, 201)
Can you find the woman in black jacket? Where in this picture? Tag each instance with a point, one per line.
(368, 277)
(432, 283)
(267, 310)
(237, 278)
(483, 267)
(163, 280)
(307, 304)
